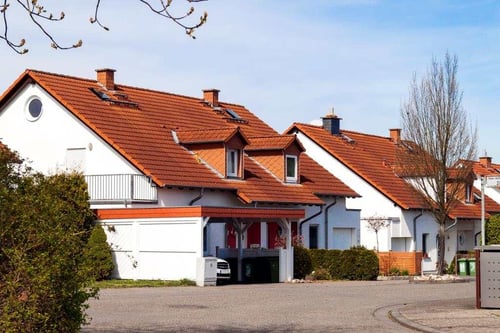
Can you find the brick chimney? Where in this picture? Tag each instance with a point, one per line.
(106, 77)
(485, 161)
(331, 123)
(395, 134)
(211, 96)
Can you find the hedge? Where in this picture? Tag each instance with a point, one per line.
(356, 263)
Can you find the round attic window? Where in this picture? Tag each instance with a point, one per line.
(34, 109)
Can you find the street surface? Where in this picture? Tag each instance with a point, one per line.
(344, 306)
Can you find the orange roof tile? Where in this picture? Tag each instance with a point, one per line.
(141, 125)
(473, 210)
(275, 142)
(207, 135)
(480, 169)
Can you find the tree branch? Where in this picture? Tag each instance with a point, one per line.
(38, 14)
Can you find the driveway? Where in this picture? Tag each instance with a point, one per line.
(344, 306)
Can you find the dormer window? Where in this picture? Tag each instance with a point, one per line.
(291, 169)
(468, 193)
(233, 162)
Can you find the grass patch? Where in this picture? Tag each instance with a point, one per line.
(143, 283)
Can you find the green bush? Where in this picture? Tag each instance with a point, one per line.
(394, 271)
(98, 254)
(302, 263)
(44, 227)
(358, 263)
(493, 230)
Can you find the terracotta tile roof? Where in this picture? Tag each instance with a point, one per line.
(275, 142)
(371, 157)
(320, 181)
(140, 125)
(473, 210)
(480, 169)
(207, 135)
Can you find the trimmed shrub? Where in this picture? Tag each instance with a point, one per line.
(302, 263)
(358, 263)
(98, 254)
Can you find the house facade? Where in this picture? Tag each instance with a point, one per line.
(368, 164)
(175, 178)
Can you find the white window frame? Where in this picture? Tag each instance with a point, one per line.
(232, 162)
(291, 179)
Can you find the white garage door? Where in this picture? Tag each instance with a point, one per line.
(342, 238)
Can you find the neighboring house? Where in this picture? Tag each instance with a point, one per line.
(175, 178)
(489, 172)
(368, 164)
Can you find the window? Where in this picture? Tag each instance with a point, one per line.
(425, 244)
(33, 109)
(233, 163)
(291, 168)
(313, 236)
(468, 193)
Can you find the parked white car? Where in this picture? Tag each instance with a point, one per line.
(223, 270)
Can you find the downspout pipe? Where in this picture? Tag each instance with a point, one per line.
(198, 197)
(452, 225)
(310, 218)
(415, 229)
(326, 220)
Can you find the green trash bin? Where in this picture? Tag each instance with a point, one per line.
(463, 267)
(472, 266)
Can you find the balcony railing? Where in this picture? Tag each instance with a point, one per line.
(120, 188)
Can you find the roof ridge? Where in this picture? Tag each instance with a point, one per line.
(271, 136)
(37, 71)
(367, 134)
(207, 129)
(120, 85)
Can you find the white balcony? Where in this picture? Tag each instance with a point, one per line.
(121, 188)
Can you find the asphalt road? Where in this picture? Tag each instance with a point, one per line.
(345, 306)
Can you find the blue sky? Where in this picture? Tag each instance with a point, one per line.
(287, 61)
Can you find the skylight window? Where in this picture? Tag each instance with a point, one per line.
(233, 114)
(102, 95)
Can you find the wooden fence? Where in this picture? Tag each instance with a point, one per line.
(409, 261)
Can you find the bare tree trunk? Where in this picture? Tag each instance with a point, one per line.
(441, 263)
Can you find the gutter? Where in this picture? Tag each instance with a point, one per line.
(309, 218)
(326, 220)
(452, 225)
(202, 190)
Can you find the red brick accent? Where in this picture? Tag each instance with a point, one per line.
(106, 77)
(211, 96)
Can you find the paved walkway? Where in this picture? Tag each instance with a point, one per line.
(447, 316)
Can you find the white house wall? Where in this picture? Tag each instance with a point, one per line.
(164, 249)
(46, 140)
(492, 192)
